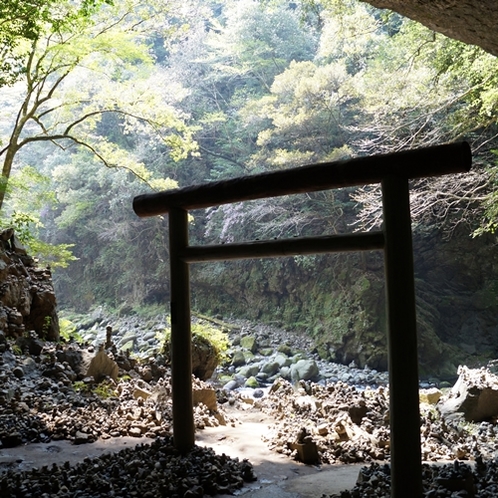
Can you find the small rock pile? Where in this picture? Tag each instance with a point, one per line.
(349, 425)
(146, 471)
(455, 480)
(44, 399)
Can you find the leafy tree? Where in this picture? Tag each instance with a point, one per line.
(231, 59)
(308, 112)
(32, 195)
(72, 77)
(24, 21)
(120, 257)
(438, 90)
(258, 86)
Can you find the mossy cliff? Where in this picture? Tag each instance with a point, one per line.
(340, 300)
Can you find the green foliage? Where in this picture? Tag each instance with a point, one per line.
(103, 390)
(47, 322)
(16, 349)
(79, 386)
(31, 192)
(217, 337)
(26, 228)
(306, 102)
(261, 40)
(255, 86)
(68, 331)
(101, 65)
(23, 22)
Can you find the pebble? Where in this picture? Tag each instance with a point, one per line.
(455, 480)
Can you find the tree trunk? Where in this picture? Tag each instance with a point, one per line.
(7, 167)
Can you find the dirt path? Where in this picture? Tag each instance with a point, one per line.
(39, 454)
(278, 476)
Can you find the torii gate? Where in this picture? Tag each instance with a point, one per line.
(393, 172)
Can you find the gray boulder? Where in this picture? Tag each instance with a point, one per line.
(249, 342)
(238, 359)
(249, 371)
(474, 397)
(270, 368)
(283, 360)
(231, 385)
(285, 372)
(304, 370)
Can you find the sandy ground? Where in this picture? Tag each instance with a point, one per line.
(278, 476)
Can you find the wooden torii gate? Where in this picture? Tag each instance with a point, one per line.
(392, 171)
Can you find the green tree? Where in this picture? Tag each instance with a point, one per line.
(76, 74)
(24, 21)
(120, 257)
(231, 58)
(32, 195)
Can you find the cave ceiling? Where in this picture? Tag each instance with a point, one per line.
(472, 21)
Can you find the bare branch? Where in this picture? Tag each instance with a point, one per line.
(91, 148)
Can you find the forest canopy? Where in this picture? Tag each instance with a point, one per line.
(102, 101)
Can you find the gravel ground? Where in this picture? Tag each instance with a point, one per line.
(42, 399)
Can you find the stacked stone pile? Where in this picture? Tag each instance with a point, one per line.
(27, 298)
(146, 471)
(455, 480)
(43, 398)
(349, 425)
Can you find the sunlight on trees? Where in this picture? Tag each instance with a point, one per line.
(72, 78)
(168, 94)
(75, 64)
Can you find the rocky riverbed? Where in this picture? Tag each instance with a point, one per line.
(337, 413)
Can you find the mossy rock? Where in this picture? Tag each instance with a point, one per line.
(251, 382)
(249, 342)
(238, 359)
(285, 348)
(248, 371)
(248, 356)
(204, 357)
(266, 351)
(127, 346)
(323, 352)
(224, 379)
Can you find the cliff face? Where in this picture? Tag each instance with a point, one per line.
(27, 298)
(340, 301)
(471, 21)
